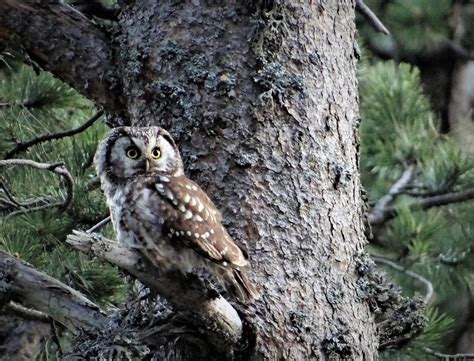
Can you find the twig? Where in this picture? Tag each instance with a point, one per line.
(21, 147)
(420, 278)
(458, 50)
(93, 184)
(211, 313)
(7, 192)
(426, 203)
(56, 338)
(396, 189)
(444, 356)
(99, 225)
(32, 209)
(57, 168)
(27, 313)
(11, 203)
(373, 20)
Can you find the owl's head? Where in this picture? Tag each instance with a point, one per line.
(130, 151)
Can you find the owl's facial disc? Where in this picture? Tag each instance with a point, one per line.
(129, 152)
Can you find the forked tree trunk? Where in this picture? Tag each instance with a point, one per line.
(263, 102)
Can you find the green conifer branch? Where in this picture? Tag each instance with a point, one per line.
(23, 146)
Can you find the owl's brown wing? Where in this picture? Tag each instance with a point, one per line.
(195, 221)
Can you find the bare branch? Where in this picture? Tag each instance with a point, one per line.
(210, 312)
(57, 168)
(10, 203)
(63, 41)
(425, 203)
(21, 147)
(446, 357)
(458, 50)
(420, 278)
(33, 209)
(394, 191)
(369, 15)
(26, 313)
(93, 184)
(99, 225)
(34, 289)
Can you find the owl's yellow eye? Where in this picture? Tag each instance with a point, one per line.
(156, 153)
(132, 152)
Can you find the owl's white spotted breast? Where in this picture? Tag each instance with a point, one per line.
(139, 219)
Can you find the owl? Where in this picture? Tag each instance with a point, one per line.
(156, 209)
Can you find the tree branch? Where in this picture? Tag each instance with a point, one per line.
(26, 313)
(369, 15)
(446, 357)
(426, 203)
(34, 289)
(57, 168)
(208, 311)
(21, 147)
(99, 225)
(395, 190)
(420, 278)
(96, 8)
(67, 44)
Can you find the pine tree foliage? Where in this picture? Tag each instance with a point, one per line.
(399, 129)
(418, 348)
(31, 105)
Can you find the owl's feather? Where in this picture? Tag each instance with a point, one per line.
(198, 222)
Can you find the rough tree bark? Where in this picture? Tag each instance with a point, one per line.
(262, 99)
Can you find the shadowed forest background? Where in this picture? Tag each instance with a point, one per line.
(417, 140)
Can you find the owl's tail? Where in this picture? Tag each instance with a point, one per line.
(239, 286)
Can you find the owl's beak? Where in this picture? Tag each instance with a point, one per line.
(147, 165)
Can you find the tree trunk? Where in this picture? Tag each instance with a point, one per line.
(263, 103)
(262, 99)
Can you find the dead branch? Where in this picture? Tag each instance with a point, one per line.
(21, 147)
(418, 277)
(99, 225)
(446, 357)
(369, 15)
(93, 184)
(72, 48)
(57, 168)
(209, 311)
(26, 313)
(425, 203)
(397, 188)
(34, 289)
